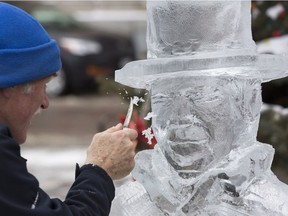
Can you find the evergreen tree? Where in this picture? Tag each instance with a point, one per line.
(266, 26)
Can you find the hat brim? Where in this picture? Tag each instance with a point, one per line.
(142, 73)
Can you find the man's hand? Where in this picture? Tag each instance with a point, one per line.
(113, 150)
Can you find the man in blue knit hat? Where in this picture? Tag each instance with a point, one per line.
(28, 61)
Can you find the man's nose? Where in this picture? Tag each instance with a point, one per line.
(45, 102)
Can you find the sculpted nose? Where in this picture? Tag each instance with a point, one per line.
(182, 106)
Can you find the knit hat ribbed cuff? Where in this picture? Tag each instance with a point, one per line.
(33, 62)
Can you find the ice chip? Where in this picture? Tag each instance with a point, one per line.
(149, 116)
(141, 100)
(136, 100)
(148, 135)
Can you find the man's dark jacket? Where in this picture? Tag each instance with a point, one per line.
(90, 195)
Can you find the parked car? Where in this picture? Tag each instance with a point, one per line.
(86, 53)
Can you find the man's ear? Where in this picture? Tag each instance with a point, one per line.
(6, 92)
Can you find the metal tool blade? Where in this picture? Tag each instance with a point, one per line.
(129, 114)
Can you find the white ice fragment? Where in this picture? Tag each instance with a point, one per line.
(149, 116)
(141, 100)
(148, 135)
(136, 100)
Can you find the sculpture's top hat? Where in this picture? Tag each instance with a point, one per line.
(209, 38)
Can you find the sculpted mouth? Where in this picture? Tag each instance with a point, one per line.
(189, 148)
(188, 144)
(188, 155)
(188, 139)
(188, 133)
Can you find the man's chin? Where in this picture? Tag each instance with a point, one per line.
(21, 140)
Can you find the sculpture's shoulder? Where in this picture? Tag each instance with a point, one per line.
(271, 193)
(265, 196)
(132, 200)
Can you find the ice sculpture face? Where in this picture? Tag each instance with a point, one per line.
(201, 119)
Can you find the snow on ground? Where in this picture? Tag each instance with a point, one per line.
(54, 168)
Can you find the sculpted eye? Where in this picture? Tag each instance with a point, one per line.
(206, 96)
(160, 98)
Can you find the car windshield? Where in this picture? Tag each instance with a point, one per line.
(55, 19)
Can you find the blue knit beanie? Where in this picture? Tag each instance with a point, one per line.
(26, 51)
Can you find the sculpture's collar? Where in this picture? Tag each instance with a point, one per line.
(232, 175)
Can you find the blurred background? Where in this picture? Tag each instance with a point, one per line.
(98, 37)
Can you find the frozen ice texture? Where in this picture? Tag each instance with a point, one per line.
(141, 74)
(205, 79)
(188, 37)
(177, 28)
(207, 160)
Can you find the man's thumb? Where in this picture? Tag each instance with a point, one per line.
(115, 128)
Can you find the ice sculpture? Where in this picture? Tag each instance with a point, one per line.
(205, 76)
